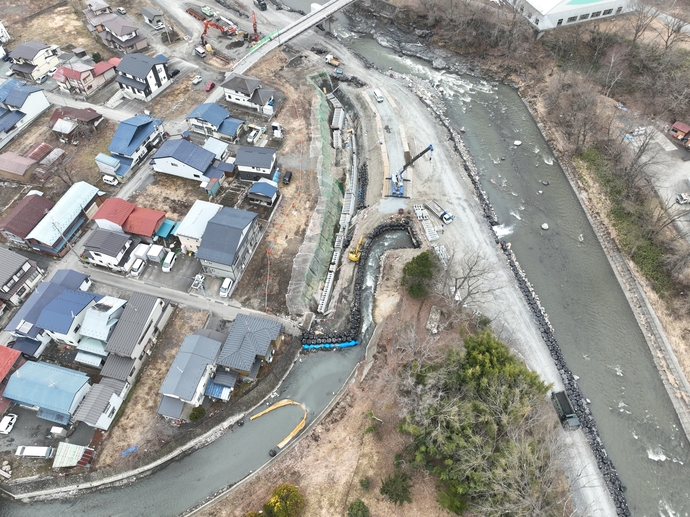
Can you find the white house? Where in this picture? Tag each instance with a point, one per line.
(34, 59)
(551, 14)
(249, 92)
(210, 119)
(20, 105)
(99, 407)
(62, 318)
(187, 160)
(4, 35)
(108, 249)
(113, 214)
(254, 163)
(191, 229)
(18, 276)
(142, 77)
(133, 140)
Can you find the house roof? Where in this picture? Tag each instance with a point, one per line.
(210, 112)
(59, 314)
(681, 126)
(15, 164)
(249, 337)
(241, 83)
(97, 399)
(45, 385)
(26, 345)
(8, 86)
(8, 357)
(119, 26)
(25, 215)
(71, 455)
(28, 50)
(69, 278)
(170, 407)
(224, 234)
(65, 211)
(133, 132)
(39, 151)
(138, 65)
(102, 67)
(129, 81)
(131, 325)
(18, 96)
(74, 114)
(117, 367)
(263, 96)
(10, 119)
(217, 147)
(10, 263)
(115, 210)
(186, 152)
(229, 126)
(72, 71)
(106, 242)
(264, 187)
(194, 223)
(101, 318)
(144, 221)
(189, 365)
(150, 12)
(92, 346)
(212, 334)
(24, 320)
(249, 156)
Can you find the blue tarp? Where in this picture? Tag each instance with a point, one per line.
(347, 344)
(131, 449)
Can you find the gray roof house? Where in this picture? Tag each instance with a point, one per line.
(115, 31)
(188, 376)
(152, 16)
(18, 276)
(187, 160)
(228, 242)
(32, 59)
(144, 316)
(254, 163)
(97, 327)
(109, 249)
(99, 407)
(191, 229)
(143, 77)
(249, 92)
(251, 341)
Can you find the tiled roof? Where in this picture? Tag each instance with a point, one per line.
(138, 65)
(249, 156)
(144, 221)
(241, 83)
(59, 314)
(106, 242)
(189, 365)
(28, 50)
(8, 357)
(186, 152)
(15, 164)
(210, 112)
(224, 234)
(25, 215)
(249, 337)
(115, 210)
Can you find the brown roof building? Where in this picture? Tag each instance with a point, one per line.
(25, 215)
(16, 167)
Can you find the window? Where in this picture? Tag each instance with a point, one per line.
(34, 276)
(584, 16)
(174, 164)
(76, 329)
(596, 14)
(572, 19)
(607, 12)
(112, 413)
(536, 21)
(618, 11)
(141, 356)
(560, 22)
(133, 370)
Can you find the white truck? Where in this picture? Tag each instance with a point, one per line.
(439, 211)
(138, 253)
(156, 253)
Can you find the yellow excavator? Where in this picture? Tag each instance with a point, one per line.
(356, 253)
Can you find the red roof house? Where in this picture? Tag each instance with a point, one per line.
(10, 360)
(113, 213)
(24, 217)
(144, 222)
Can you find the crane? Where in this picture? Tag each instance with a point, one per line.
(226, 31)
(356, 252)
(256, 32)
(397, 179)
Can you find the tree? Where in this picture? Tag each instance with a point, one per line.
(197, 414)
(672, 27)
(417, 274)
(97, 58)
(396, 487)
(641, 18)
(286, 501)
(357, 508)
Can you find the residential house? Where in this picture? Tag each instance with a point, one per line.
(33, 59)
(53, 391)
(187, 160)
(109, 249)
(254, 163)
(61, 319)
(133, 140)
(228, 242)
(186, 381)
(99, 407)
(18, 276)
(17, 168)
(113, 213)
(85, 78)
(263, 192)
(20, 105)
(10, 361)
(24, 217)
(144, 223)
(210, 119)
(143, 318)
(70, 279)
(250, 342)
(544, 15)
(218, 148)
(152, 16)
(143, 77)
(69, 125)
(97, 327)
(4, 35)
(115, 31)
(65, 219)
(191, 229)
(249, 92)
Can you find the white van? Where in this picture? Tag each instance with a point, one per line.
(35, 452)
(169, 262)
(137, 268)
(225, 287)
(378, 95)
(199, 51)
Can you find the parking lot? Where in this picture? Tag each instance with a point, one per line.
(180, 278)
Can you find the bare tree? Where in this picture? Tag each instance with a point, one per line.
(613, 73)
(635, 161)
(671, 30)
(62, 171)
(641, 18)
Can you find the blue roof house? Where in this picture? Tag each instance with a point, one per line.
(20, 105)
(62, 318)
(210, 119)
(187, 160)
(55, 392)
(263, 192)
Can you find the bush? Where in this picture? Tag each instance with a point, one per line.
(358, 509)
(396, 487)
(365, 483)
(286, 501)
(197, 414)
(417, 274)
(97, 58)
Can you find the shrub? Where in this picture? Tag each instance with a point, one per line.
(417, 274)
(286, 501)
(365, 483)
(197, 414)
(97, 58)
(357, 508)
(396, 487)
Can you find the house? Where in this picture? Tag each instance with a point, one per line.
(24, 217)
(71, 124)
(65, 219)
(187, 160)
(109, 249)
(99, 407)
(228, 242)
(152, 16)
(144, 223)
(263, 192)
(70, 279)
(85, 78)
(17, 168)
(251, 341)
(10, 360)
(254, 163)
(115, 31)
(71, 455)
(113, 213)
(33, 59)
(186, 381)
(143, 318)
(4, 35)
(55, 392)
(61, 319)
(133, 140)
(18, 276)
(217, 147)
(249, 92)
(142, 77)
(191, 229)
(97, 327)
(551, 14)
(20, 105)
(210, 119)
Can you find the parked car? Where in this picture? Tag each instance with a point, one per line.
(225, 287)
(137, 268)
(159, 26)
(210, 86)
(169, 262)
(175, 72)
(197, 79)
(252, 136)
(121, 10)
(198, 281)
(42, 79)
(109, 180)
(7, 423)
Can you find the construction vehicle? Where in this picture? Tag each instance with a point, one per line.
(256, 32)
(565, 410)
(226, 31)
(208, 11)
(196, 14)
(332, 60)
(397, 180)
(356, 253)
(261, 4)
(439, 211)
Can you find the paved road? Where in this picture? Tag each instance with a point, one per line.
(118, 114)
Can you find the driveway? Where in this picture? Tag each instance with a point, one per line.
(179, 279)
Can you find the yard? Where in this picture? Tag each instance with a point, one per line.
(169, 193)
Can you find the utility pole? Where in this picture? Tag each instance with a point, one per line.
(69, 245)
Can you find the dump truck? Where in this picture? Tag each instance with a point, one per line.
(196, 14)
(439, 211)
(331, 60)
(565, 410)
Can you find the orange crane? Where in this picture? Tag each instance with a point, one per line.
(227, 31)
(256, 33)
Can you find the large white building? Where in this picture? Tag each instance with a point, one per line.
(551, 14)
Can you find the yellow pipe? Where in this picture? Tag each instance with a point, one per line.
(279, 404)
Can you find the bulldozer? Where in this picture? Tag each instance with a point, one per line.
(356, 253)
